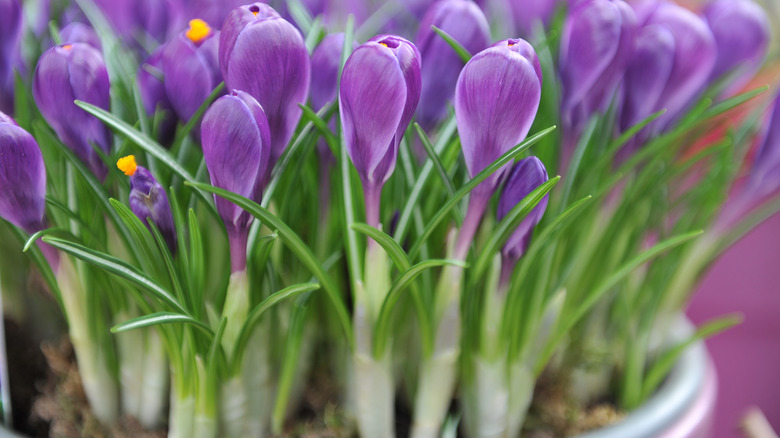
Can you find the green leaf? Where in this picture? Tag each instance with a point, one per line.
(401, 261)
(661, 367)
(567, 321)
(54, 31)
(464, 54)
(445, 178)
(197, 263)
(314, 35)
(143, 141)
(445, 133)
(300, 15)
(382, 326)
(117, 267)
(161, 318)
(322, 127)
(292, 350)
(508, 226)
(295, 244)
(254, 317)
(733, 102)
(576, 160)
(196, 118)
(473, 183)
(40, 261)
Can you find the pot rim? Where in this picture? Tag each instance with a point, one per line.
(688, 390)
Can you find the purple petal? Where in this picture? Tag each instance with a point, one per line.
(528, 174)
(742, 31)
(647, 74)
(191, 73)
(496, 101)
(22, 178)
(80, 33)
(236, 147)
(465, 22)
(325, 63)
(149, 201)
(765, 175)
(372, 99)
(269, 61)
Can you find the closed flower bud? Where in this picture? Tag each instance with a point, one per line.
(596, 44)
(526, 13)
(466, 23)
(10, 37)
(148, 200)
(236, 147)
(151, 86)
(325, 63)
(264, 55)
(76, 32)
(380, 90)
(65, 73)
(191, 68)
(22, 177)
(528, 174)
(673, 39)
(765, 175)
(742, 31)
(496, 101)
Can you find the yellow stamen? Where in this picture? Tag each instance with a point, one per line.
(198, 30)
(127, 165)
(383, 44)
(510, 44)
(255, 13)
(67, 46)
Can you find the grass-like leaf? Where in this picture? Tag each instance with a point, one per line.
(568, 320)
(508, 225)
(445, 178)
(160, 318)
(295, 244)
(382, 326)
(661, 367)
(472, 184)
(292, 350)
(254, 317)
(464, 54)
(402, 263)
(117, 267)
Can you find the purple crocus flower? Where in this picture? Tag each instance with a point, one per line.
(528, 174)
(212, 11)
(151, 86)
(22, 177)
(526, 13)
(674, 56)
(380, 90)
(742, 31)
(65, 73)
(148, 200)
(191, 69)
(465, 22)
(325, 63)
(140, 20)
(264, 55)
(237, 147)
(10, 37)
(496, 100)
(765, 174)
(76, 32)
(597, 40)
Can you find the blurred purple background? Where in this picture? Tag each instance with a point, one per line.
(745, 279)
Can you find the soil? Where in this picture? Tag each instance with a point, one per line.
(48, 400)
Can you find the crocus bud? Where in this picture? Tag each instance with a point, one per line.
(676, 40)
(236, 147)
(528, 174)
(191, 68)
(76, 32)
(742, 31)
(10, 37)
(22, 177)
(496, 100)
(264, 55)
(151, 86)
(597, 40)
(325, 63)
(148, 200)
(380, 90)
(466, 23)
(65, 73)
(526, 13)
(765, 174)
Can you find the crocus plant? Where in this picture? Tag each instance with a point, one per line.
(226, 200)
